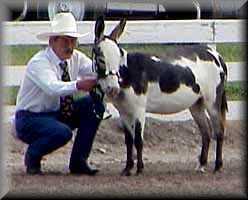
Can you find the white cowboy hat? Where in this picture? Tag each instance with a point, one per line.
(63, 24)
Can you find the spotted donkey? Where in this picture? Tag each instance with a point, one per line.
(190, 77)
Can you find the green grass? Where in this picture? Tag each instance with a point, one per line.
(19, 55)
(236, 91)
(233, 52)
(10, 94)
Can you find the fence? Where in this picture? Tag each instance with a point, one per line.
(159, 31)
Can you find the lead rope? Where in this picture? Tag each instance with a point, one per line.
(93, 59)
(97, 94)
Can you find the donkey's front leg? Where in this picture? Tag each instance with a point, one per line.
(129, 147)
(138, 141)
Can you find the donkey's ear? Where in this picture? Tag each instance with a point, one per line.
(116, 33)
(99, 28)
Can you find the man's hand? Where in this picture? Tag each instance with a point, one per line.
(86, 83)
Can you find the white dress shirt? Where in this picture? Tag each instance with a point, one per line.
(42, 87)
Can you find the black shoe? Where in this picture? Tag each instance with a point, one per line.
(33, 171)
(33, 164)
(85, 169)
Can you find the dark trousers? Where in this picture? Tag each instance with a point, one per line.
(45, 132)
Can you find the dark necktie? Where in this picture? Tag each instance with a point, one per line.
(66, 102)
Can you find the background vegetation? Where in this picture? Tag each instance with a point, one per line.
(19, 55)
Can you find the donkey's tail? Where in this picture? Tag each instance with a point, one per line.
(220, 62)
(218, 59)
(224, 106)
(223, 65)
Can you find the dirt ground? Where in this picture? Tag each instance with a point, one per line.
(171, 152)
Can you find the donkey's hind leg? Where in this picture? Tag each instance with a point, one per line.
(217, 113)
(218, 131)
(201, 119)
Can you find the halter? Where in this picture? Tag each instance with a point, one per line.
(97, 92)
(102, 72)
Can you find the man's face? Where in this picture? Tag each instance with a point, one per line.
(63, 46)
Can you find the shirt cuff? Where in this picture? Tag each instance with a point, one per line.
(74, 86)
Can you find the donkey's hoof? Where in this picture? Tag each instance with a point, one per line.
(218, 166)
(217, 170)
(139, 172)
(126, 173)
(200, 168)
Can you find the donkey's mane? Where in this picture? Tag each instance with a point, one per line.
(191, 52)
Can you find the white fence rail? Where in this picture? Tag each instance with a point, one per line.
(13, 75)
(159, 31)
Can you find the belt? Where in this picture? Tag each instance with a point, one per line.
(26, 113)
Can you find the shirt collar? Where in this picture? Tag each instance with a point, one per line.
(54, 58)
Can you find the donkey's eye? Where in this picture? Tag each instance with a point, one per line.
(101, 60)
(96, 49)
(101, 71)
(112, 72)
